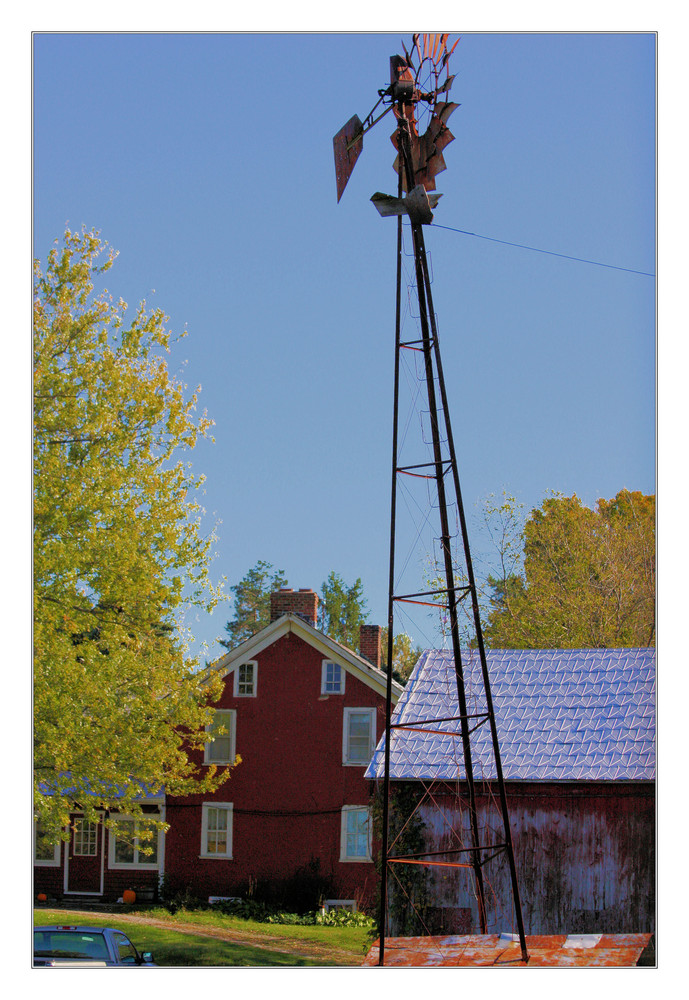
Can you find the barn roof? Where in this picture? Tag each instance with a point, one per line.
(561, 715)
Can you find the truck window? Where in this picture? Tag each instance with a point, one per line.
(128, 954)
(70, 944)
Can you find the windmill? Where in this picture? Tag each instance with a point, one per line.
(419, 85)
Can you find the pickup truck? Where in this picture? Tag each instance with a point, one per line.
(70, 947)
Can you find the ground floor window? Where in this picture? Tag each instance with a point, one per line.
(133, 843)
(45, 851)
(355, 838)
(216, 830)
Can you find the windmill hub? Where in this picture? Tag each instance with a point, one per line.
(414, 78)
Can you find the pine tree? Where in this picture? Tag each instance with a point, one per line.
(252, 602)
(342, 610)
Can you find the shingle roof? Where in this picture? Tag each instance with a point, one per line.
(561, 715)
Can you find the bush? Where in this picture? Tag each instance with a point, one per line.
(249, 909)
(183, 899)
(344, 918)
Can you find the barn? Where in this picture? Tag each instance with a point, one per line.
(577, 744)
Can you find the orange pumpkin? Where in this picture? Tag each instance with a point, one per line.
(41, 897)
(128, 896)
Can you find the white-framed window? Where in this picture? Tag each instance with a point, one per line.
(355, 834)
(85, 838)
(127, 843)
(221, 749)
(216, 830)
(332, 678)
(45, 853)
(340, 904)
(245, 677)
(358, 735)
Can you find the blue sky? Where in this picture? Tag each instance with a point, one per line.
(206, 161)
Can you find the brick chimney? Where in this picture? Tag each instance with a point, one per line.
(369, 643)
(302, 602)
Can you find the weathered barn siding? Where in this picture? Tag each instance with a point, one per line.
(584, 853)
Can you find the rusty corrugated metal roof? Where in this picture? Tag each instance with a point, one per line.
(545, 951)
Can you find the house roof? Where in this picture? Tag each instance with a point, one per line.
(327, 647)
(561, 715)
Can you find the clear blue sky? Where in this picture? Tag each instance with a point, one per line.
(206, 161)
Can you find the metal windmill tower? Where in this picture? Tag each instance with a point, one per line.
(417, 95)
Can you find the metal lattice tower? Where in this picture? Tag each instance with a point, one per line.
(416, 95)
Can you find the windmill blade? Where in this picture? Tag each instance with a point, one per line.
(445, 110)
(443, 140)
(434, 165)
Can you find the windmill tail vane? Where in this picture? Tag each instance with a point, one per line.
(416, 84)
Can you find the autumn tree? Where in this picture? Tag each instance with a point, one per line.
(587, 581)
(119, 557)
(252, 602)
(342, 610)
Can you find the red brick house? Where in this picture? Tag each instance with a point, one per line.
(304, 714)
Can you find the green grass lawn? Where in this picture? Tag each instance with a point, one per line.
(356, 940)
(329, 946)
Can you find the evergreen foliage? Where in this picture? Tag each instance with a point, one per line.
(252, 602)
(342, 610)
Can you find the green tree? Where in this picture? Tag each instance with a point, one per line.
(404, 655)
(588, 577)
(252, 602)
(342, 610)
(119, 557)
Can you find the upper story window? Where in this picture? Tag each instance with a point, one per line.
(221, 750)
(245, 677)
(130, 842)
(332, 678)
(358, 735)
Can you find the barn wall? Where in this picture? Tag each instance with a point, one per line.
(585, 856)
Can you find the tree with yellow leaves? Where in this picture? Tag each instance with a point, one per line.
(587, 580)
(118, 551)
